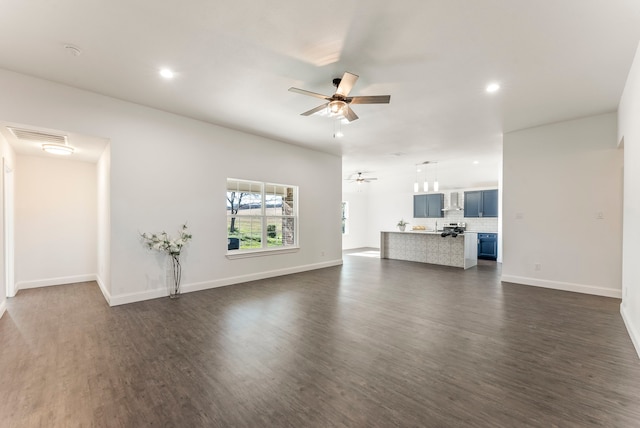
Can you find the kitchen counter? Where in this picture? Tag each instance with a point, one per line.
(429, 247)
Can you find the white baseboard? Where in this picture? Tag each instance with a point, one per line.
(205, 285)
(564, 286)
(198, 286)
(634, 333)
(103, 288)
(23, 285)
(3, 307)
(123, 299)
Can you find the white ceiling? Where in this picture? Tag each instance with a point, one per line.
(235, 60)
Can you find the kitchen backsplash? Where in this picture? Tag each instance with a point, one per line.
(474, 224)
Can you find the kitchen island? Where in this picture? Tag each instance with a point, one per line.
(430, 247)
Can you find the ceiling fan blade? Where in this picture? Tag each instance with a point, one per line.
(371, 99)
(349, 114)
(346, 83)
(314, 110)
(309, 93)
(370, 179)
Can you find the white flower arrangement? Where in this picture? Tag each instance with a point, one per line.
(163, 242)
(173, 247)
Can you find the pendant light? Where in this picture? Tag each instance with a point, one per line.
(415, 185)
(436, 185)
(425, 183)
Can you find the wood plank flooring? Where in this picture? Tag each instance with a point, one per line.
(372, 343)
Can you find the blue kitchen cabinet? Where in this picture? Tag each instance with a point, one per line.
(472, 203)
(419, 206)
(428, 206)
(490, 203)
(481, 203)
(488, 246)
(435, 204)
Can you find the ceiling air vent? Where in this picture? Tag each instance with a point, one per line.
(36, 136)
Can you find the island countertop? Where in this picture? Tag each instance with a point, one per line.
(428, 246)
(430, 232)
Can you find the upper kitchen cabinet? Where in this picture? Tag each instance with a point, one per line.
(435, 204)
(428, 206)
(481, 203)
(490, 203)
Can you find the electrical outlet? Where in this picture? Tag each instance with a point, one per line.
(322, 253)
(599, 215)
(519, 216)
(537, 266)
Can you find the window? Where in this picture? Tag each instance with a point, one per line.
(261, 216)
(345, 218)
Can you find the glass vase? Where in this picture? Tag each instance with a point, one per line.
(176, 276)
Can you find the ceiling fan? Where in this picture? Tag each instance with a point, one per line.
(359, 179)
(339, 102)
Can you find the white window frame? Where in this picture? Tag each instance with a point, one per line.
(264, 216)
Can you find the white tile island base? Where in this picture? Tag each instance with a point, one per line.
(430, 247)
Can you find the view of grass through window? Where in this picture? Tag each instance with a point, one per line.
(260, 215)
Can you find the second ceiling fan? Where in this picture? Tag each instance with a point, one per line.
(339, 103)
(359, 179)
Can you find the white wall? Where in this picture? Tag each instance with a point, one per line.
(8, 159)
(55, 226)
(167, 169)
(558, 179)
(629, 131)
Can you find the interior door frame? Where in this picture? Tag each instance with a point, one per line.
(8, 227)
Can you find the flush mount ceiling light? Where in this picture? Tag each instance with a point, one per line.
(58, 149)
(166, 73)
(492, 87)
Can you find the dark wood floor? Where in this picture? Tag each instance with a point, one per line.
(373, 343)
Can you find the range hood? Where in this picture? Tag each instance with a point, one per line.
(453, 203)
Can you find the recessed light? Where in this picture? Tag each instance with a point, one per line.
(166, 73)
(476, 162)
(492, 87)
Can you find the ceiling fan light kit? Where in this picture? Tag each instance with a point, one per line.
(337, 107)
(339, 103)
